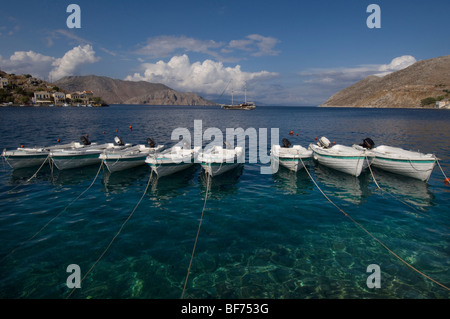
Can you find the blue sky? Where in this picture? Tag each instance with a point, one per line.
(288, 52)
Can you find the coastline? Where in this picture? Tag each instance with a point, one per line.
(386, 107)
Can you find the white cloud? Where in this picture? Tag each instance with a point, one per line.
(22, 62)
(346, 76)
(164, 46)
(72, 60)
(265, 45)
(207, 77)
(43, 66)
(396, 64)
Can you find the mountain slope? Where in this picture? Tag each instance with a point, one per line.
(115, 91)
(404, 88)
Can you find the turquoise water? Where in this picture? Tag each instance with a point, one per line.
(262, 236)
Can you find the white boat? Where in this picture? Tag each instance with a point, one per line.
(122, 159)
(81, 154)
(343, 158)
(408, 163)
(30, 156)
(172, 160)
(218, 160)
(289, 157)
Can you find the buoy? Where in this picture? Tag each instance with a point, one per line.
(315, 139)
(297, 134)
(117, 130)
(22, 146)
(58, 140)
(334, 142)
(103, 132)
(291, 132)
(447, 181)
(87, 135)
(131, 127)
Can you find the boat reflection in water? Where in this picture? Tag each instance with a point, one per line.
(344, 186)
(175, 185)
(222, 185)
(413, 191)
(118, 182)
(293, 182)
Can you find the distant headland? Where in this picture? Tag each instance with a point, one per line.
(91, 90)
(424, 84)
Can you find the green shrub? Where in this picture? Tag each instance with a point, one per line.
(428, 101)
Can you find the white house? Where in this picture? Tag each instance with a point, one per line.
(59, 97)
(42, 97)
(443, 104)
(3, 83)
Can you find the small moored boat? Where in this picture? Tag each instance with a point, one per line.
(340, 157)
(172, 160)
(31, 156)
(122, 159)
(289, 157)
(82, 154)
(407, 163)
(218, 160)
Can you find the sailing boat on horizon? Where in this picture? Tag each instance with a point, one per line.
(243, 106)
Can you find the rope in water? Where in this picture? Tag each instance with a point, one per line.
(33, 176)
(370, 234)
(51, 220)
(378, 186)
(446, 178)
(208, 182)
(395, 197)
(115, 236)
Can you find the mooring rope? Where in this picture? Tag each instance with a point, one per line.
(208, 182)
(446, 178)
(379, 187)
(115, 236)
(51, 220)
(370, 234)
(33, 176)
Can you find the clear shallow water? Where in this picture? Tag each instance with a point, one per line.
(262, 236)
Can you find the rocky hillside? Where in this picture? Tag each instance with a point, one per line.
(405, 88)
(21, 87)
(114, 91)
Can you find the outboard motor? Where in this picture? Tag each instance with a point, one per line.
(227, 145)
(85, 140)
(324, 142)
(286, 143)
(367, 143)
(119, 141)
(150, 142)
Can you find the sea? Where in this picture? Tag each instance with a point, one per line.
(315, 234)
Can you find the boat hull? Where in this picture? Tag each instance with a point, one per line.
(164, 169)
(215, 169)
(16, 161)
(218, 160)
(128, 158)
(116, 164)
(406, 163)
(63, 162)
(171, 161)
(291, 158)
(30, 156)
(351, 163)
